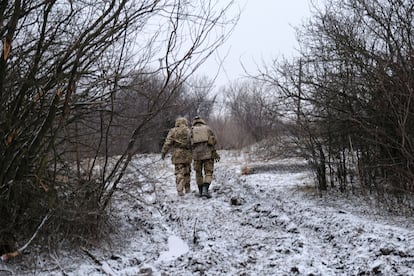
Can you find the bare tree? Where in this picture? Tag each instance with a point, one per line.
(253, 107)
(198, 98)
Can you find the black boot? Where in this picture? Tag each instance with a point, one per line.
(200, 190)
(205, 192)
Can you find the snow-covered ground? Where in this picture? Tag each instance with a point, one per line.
(271, 222)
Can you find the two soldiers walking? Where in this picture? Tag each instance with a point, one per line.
(198, 144)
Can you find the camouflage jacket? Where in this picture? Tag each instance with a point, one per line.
(178, 139)
(202, 148)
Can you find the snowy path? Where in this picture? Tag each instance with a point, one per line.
(277, 230)
(267, 223)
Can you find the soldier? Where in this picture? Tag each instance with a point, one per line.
(178, 138)
(203, 141)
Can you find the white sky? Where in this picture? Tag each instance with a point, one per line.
(265, 32)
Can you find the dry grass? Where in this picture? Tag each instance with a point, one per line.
(246, 170)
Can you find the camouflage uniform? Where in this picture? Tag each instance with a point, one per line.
(203, 141)
(178, 138)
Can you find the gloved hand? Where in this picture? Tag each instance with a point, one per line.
(163, 155)
(216, 156)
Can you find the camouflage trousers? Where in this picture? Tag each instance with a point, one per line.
(182, 178)
(204, 165)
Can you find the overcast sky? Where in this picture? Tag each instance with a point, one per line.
(265, 31)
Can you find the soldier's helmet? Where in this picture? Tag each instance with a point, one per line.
(198, 120)
(181, 121)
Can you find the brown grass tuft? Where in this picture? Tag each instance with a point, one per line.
(246, 170)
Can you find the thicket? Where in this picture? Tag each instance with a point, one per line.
(350, 94)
